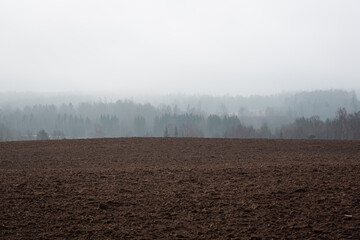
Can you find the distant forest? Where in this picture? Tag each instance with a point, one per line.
(319, 114)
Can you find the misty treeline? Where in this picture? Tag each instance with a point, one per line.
(279, 116)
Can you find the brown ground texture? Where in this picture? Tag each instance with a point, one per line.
(179, 188)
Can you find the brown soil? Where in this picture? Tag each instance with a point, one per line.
(166, 188)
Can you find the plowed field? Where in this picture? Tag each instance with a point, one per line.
(179, 188)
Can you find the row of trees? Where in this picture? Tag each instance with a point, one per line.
(343, 126)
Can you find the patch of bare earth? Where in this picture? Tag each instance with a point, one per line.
(179, 188)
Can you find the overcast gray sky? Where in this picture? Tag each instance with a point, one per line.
(168, 46)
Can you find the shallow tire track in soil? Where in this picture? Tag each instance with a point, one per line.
(167, 188)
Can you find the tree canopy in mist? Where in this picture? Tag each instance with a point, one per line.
(318, 114)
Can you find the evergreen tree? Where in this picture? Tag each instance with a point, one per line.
(176, 132)
(42, 135)
(166, 133)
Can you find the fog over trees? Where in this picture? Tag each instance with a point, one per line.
(332, 114)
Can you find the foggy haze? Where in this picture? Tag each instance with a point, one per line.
(192, 47)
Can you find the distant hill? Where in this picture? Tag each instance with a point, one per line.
(22, 116)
